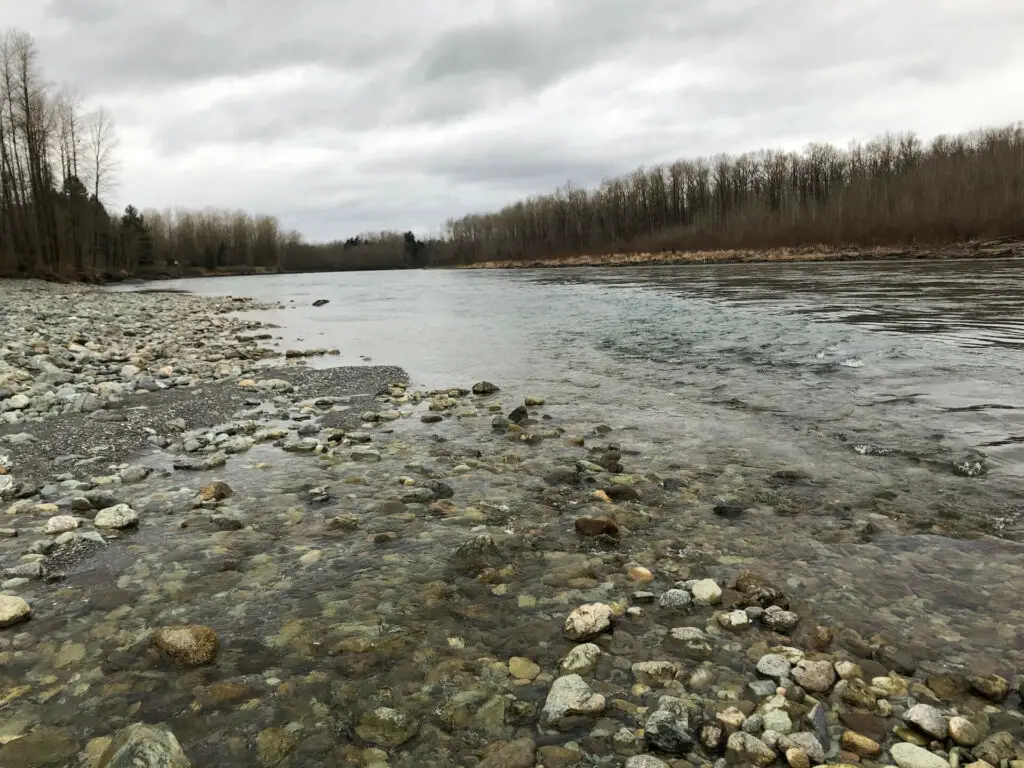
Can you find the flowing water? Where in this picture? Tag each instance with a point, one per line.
(868, 417)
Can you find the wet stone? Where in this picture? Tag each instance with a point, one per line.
(911, 756)
(928, 720)
(13, 610)
(186, 645)
(570, 695)
(963, 731)
(668, 731)
(581, 660)
(645, 761)
(386, 727)
(775, 666)
(676, 600)
(742, 748)
(992, 687)
(596, 526)
(588, 621)
(144, 746)
(515, 754)
(118, 516)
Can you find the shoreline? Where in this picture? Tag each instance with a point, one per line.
(469, 577)
(1003, 248)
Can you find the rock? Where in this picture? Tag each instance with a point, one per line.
(581, 660)
(655, 673)
(689, 642)
(806, 742)
(928, 720)
(706, 592)
(533, 401)
(742, 748)
(215, 491)
(729, 510)
(996, 748)
(779, 620)
(857, 694)
(963, 731)
(814, 676)
(386, 727)
(668, 730)
(733, 619)
(588, 621)
(992, 687)
(676, 600)
(645, 761)
(522, 668)
(320, 302)
(485, 388)
(639, 574)
(515, 754)
(896, 658)
(621, 493)
(117, 516)
(13, 609)
(596, 526)
(797, 758)
(778, 720)
(774, 665)
(366, 455)
(570, 695)
(273, 746)
(861, 745)
(518, 415)
(60, 524)
(432, 418)
(186, 645)
(144, 746)
(910, 756)
(18, 402)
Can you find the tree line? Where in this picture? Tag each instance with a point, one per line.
(59, 163)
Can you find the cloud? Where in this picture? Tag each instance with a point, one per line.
(350, 116)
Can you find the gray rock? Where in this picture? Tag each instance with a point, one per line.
(763, 688)
(753, 725)
(807, 743)
(645, 761)
(515, 754)
(676, 599)
(570, 695)
(386, 727)
(779, 620)
(815, 676)
(669, 731)
(689, 642)
(742, 748)
(817, 718)
(588, 621)
(13, 610)
(775, 666)
(996, 748)
(908, 755)
(118, 516)
(928, 719)
(706, 592)
(144, 746)
(581, 660)
(778, 720)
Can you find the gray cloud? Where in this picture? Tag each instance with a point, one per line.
(349, 116)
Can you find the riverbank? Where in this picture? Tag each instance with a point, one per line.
(289, 567)
(988, 249)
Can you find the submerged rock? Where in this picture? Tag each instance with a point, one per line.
(570, 695)
(13, 609)
(144, 746)
(386, 727)
(186, 645)
(485, 388)
(910, 756)
(117, 516)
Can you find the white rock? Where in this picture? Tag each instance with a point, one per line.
(581, 660)
(774, 665)
(18, 402)
(734, 619)
(928, 719)
(910, 756)
(60, 524)
(814, 676)
(6, 485)
(645, 761)
(12, 610)
(588, 621)
(707, 592)
(118, 516)
(778, 720)
(570, 695)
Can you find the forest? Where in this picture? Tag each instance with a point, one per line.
(59, 165)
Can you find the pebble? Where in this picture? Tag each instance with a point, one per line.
(117, 516)
(861, 745)
(581, 660)
(515, 754)
(668, 729)
(928, 719)
(744, 748)
(570, 695)
(775, 666)
(588, 621)
(734, 619)
(963, 731)
(645, 761)
(910, 756)
(144, 745)
(797, 758)
(13, 609)
(596, 526)
(386, 727)
(814, 676)
(640, 574)
(676, 599)
(992, 687)
(522, 668)
(186, 645)
(778, 720)
(60, 524)
(706, 592)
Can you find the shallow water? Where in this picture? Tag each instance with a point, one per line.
(742, 383)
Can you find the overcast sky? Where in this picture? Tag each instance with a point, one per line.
(343, 116)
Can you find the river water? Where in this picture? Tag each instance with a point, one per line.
(868, 417)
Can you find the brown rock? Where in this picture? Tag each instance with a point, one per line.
(992, 687)
(820, 638)
(640, 574)
(515, 754)
(596, 526)
(797, 758)
(948, 687)
(869, 725)
(186, 645)
(859, 744)
(559, 757)
(216, 491)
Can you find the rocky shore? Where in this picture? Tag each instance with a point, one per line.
(247, 563)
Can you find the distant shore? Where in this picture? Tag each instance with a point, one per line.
(987, 249)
